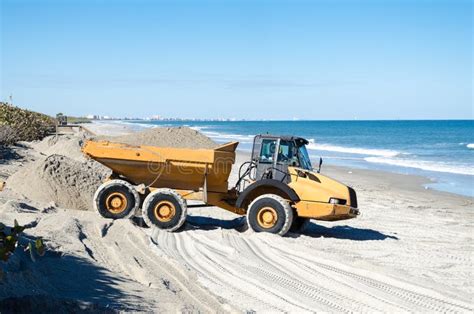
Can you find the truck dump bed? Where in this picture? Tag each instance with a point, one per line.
(159, 167)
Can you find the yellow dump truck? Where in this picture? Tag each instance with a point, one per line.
(277, 188)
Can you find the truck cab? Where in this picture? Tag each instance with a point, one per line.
(275, 154)
(281, 166)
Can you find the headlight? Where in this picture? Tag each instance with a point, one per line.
(333, 200)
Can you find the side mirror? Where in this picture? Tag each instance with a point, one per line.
(320, 164)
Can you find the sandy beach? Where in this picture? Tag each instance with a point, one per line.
(411, 249)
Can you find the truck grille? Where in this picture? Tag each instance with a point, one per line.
(353, 197)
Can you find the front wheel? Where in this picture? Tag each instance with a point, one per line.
(270, 213)
(164, 209)
(116, 199)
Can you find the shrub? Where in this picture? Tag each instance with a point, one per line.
(18, 124)
(9, 238)
(7, 135)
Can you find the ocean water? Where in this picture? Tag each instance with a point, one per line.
(442, 151)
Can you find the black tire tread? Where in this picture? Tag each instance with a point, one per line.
(178, 198)
(112, 183)
(286, 208)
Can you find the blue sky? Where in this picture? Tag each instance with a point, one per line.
(241, 59)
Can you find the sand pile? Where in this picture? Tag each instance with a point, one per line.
(64, 176)
(181, 137)
(59, 179)
(67, 145)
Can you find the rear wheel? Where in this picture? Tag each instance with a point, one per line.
(270, 213)
(116, 199)
(164, 209)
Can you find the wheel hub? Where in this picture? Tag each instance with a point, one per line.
(164, 211)
(116, 202)
(267, 217)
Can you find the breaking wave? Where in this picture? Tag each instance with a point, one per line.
(423, 165)
(220, 137)
(353, 150)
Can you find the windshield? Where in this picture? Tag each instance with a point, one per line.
(303, 156)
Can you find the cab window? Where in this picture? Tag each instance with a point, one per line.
(287, 153)
(268, 151)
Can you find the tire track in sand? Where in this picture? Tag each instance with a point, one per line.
(188, 257)
(147, 268)
(427, 300)
(330, 281)
(320, 288)
(314, 294)
(274, 285)
(254, 272)
(214, 275)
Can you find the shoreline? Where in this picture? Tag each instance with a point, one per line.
(442, 176)
(406, 182)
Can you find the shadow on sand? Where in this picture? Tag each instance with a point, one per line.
(209, 223)
(343, 232)
(68, 283)
(312, 230)
(7, 154)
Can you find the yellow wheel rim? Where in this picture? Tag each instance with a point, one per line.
(116, 202)
(267, 217)
(164, 211)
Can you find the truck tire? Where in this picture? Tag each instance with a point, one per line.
(164, 209)
(299, 223)
(116, 199)
(270, 213)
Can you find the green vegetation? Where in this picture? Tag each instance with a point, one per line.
(77, 120)
(18, 124)
(9, 242)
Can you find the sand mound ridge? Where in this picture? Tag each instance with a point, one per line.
(67, 145)
(63, 180)
(179, 137)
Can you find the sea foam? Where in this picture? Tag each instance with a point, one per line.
(135, 125)
(423, 165)
(353, 150)
(229, 137)
(471, 146)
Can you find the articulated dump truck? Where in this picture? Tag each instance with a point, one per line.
(277, 188)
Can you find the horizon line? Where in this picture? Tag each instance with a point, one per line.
(274, 120)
